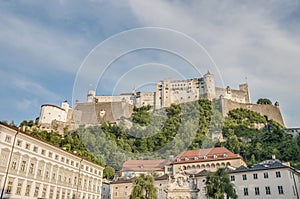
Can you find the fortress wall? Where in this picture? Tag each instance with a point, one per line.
(97, 113)
(234, 95)
(271, 111)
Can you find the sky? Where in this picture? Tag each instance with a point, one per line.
(47, 49)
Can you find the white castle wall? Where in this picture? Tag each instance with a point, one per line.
(51, 112)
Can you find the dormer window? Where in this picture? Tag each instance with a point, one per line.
(186, 158)
(205, 157)
(178, 160)
(215, 156)
(224, 155)
(196, 158)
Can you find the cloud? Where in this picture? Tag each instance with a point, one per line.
(246, 39)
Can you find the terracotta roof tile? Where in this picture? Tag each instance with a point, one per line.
(209, 154)
(144, 165)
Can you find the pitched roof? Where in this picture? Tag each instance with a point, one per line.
(204, 155)
(144, 165)
(265, 165)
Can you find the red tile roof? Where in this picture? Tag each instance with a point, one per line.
(203, 155)
(144, 165)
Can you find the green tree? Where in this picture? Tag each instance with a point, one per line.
(264, 101)
(218, 185)
(143, 188)
(108, 172)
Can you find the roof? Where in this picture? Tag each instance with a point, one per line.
(204, 155)
(144, 165)
(53, 106)
(265, 165)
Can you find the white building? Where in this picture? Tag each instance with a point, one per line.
(51, 112)
(269, 179)
(31, 168)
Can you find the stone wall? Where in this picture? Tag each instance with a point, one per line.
(271, 111)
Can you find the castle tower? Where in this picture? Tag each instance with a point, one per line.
(65, 105)
(91, 95)
(163, 95)
(245, 89)
(209, 87)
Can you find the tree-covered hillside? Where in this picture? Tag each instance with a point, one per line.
(159, 135)
(189, 126)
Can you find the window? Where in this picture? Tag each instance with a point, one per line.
(246, 191)
(8, 139)
(43, 152)
(58, 193)
(40, 172)
(280, 189)
(36, 191)
(268, 191)
(278, 175)
(19, 143)
(244, 177)
(254, 176)
(56, 157)
(232, 178)
(47, 174)
(116, 193)
(266, 175)
(23, 166)
(19, 188)
(67, 161)
(51, 193)
(35, 149)
(31, 168)
(9, 186)
(50, 154)
(14, 164)
(44, 191)
(62, 159)
(27, 146)
(27, 190)
(256, 190)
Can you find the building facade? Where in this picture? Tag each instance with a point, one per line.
(268, 179)
(31, 168)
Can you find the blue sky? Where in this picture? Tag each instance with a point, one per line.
(44, 43)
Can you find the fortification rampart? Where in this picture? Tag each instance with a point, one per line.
(271, 111)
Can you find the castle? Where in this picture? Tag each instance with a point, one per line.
(176, 92)
(99, 109)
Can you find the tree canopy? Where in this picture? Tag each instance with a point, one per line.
(264, 101)
(143, 188)
(218, 185)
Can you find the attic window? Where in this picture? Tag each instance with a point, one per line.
(196, 158)
(224, 155)
(205, 157)
(215, 156)
(178, 160)
(186, 158)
